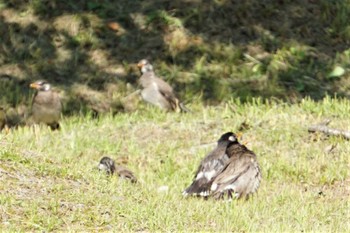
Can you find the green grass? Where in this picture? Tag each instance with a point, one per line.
(221, 52)
(49, 180)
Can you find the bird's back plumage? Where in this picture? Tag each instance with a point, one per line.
(125, 174)
(241, 175)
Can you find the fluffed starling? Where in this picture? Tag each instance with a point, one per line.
(108, 165)
(46, 105)
(211, 166)
(241, 175)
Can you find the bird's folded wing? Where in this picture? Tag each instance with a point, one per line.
(233, 170)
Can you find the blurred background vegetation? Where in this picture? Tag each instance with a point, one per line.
(210, 51)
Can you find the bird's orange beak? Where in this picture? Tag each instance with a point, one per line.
(139, 65)
(239, 136)
(34, 85)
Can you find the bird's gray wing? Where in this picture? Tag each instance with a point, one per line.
(152, 95)
(167, 91)
(206, 171)
(241, 176)
(155, 90)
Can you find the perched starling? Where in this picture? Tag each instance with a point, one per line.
(46, 105)
(107, 164)
(211, 166)
(241, 175)
(156, 91)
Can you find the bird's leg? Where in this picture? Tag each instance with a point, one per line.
(229, 194)
(55, 126)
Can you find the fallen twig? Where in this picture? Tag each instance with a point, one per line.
(323, 128)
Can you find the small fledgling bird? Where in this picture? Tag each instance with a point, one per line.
(107, 164)
(156, 91)
(125, 174)
(211, 166)
(241, 175)
(46, 105)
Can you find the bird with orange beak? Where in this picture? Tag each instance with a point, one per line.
(46, 105)
(156, 91)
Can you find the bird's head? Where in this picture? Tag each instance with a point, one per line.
(41, 85)
(228, 137)
(107, 165)
(145, 66)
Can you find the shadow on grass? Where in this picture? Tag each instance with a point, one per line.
(221, 50)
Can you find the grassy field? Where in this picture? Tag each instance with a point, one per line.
(49, 180)
(265, 68)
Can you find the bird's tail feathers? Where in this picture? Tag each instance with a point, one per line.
(197, 188)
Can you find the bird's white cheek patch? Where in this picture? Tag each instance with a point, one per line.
(144, 69)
